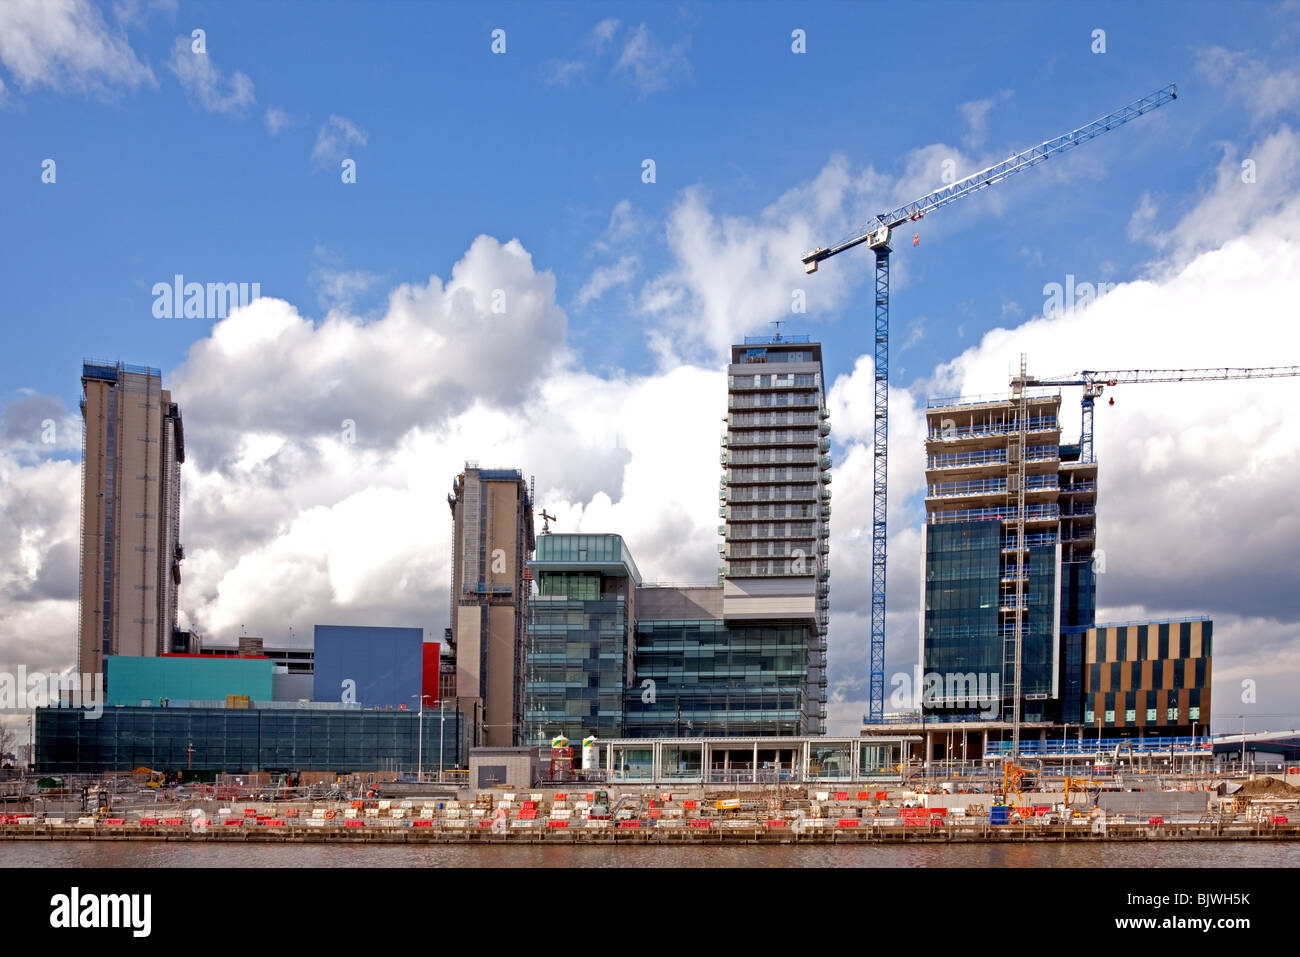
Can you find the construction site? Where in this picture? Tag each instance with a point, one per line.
(1013, 806)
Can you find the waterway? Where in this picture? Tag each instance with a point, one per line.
(146, 854)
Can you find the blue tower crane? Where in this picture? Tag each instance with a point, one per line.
(876, 234)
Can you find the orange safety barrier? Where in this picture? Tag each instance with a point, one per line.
(774, 822)
(590, 796)
(1281, 819)
(698, 823)
(422, 822)
(689, 805)
(557, 823)
(629, 823)
(882, 795)
(276, 822)
(484, 823)
(864, 795)
(841, 795)
(847, 822)
(148, 822)
(291, 812)
(530, 806)
(656, 813)
(561, 797)
(250, 812)
(354, 822)
(234, 821)
(358, 804)
(115, 820)
(527, 815)
(1156, 820)
(172, 821)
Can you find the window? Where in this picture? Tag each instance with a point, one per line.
(1151, 715)
(1089, 716)
(1194, 713)
(1110, 717)
(1171, 714)
(1130, 716)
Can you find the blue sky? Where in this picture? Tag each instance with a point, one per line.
(522, 172)
(461, 142)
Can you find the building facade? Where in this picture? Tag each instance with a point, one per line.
(375, 667)
(580, 636)
(133, 444)
(698, 675)
(150, 681)
(493, 539)
(972, 555)
(1150, 678)
(775, 499)
(240, 740)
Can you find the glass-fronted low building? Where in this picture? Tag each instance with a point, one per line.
(705, 677)
(611, 657)
(242, 740)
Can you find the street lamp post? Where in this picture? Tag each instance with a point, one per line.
(419, 773)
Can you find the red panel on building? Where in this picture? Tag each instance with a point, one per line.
(429, 683)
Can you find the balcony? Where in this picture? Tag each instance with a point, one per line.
(773, 400)
(824, 428)
(1042, 423)
(1006, 513)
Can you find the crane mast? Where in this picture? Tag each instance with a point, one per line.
(876, 235)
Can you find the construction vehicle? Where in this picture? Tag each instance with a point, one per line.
(876, 234)
(599, 810)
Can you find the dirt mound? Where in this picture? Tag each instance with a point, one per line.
(1267, 787)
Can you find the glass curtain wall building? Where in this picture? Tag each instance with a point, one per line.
(234, 740)
(579, 636)
(712, 679)
(969, 551)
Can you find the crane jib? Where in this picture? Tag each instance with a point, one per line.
(999, 171)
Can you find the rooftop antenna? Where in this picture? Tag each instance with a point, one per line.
(546, 522)
(778, 323)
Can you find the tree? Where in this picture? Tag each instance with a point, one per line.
(8, 741)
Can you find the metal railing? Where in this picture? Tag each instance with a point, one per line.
(1041, 423)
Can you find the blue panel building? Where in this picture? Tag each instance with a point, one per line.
(372, 667)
